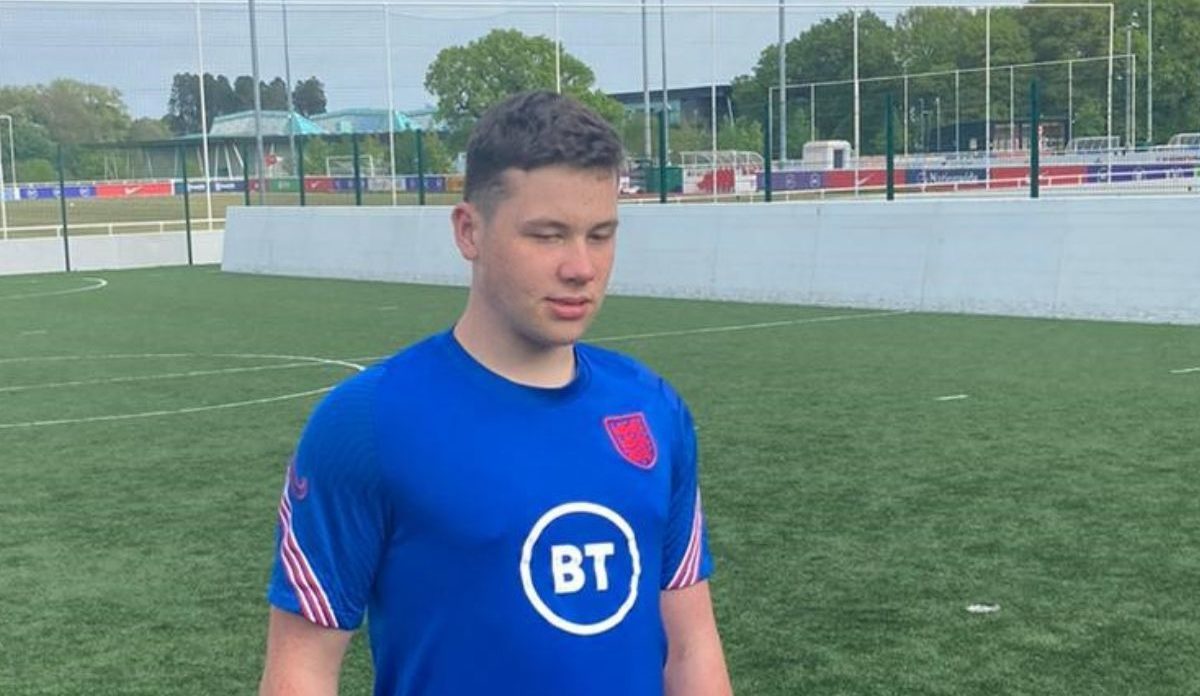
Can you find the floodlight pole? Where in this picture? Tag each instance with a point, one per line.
(647, 146)
(287, 77)
(1130, 134)
(3, 198)
(857, 107)
(260, 152)
(203, 118)
(782, 87)
(1149, 72)
(387, 41)
(712, 29)
(1112, 24)
(12, 154)
(557, 50)
(662, 38)
(987, 98)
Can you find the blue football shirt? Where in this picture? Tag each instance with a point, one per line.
(501, 538)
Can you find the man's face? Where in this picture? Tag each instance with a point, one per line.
(542, 258)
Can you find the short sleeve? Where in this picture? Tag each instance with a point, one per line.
(333, 517)
(686, 558)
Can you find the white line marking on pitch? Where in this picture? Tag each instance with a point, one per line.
(747, 327)
(124, 356)
(38, 332)
(953, 397)
(1185, 370)
(370, 358)
(192, 409)
(98, 283)
(147, 378)
(390, 308)
(703, 330)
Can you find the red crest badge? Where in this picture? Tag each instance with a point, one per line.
(630, 434)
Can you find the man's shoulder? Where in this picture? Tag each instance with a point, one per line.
(627, 373)
(358, 392)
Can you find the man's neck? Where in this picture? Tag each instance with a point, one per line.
(514, 358)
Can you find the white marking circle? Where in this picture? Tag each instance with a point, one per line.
(96, 284)
(547, 613)
(178, 411)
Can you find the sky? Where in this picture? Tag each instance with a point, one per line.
(138, 46)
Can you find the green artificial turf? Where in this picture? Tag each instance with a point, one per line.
(853, 514)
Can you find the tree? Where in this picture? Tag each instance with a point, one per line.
(308, 98)
(743, 134)
(274, 95)
(824, 53)
(149, 129)
(78, 112)
(243, 89)
(467, 80)
(219, 96)
(183, 108)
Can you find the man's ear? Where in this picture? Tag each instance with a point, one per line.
(468, 224)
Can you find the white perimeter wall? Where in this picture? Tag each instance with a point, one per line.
(96, 252)
(1123, 258)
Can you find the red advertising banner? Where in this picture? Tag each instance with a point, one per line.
(867, 178)
(135, 190)
(319, 184)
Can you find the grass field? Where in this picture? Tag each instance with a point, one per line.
(855, 510)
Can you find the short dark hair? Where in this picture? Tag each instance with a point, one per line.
(531, 130)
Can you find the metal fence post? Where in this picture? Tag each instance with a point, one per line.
(890, 137)
(245, 173)
(187, 204)
(62, 210)
(357, 169)
(420, 147)
(300, 168)
(662, 156)
(767, 156)
(1035, 164)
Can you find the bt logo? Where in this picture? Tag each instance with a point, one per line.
(576, 579)
(566, 563)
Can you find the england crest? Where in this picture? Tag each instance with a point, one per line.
(630, 435)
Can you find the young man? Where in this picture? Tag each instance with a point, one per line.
(514, 512)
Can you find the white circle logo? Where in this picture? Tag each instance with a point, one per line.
(579, 508)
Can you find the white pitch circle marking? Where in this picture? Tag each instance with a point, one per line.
(97, 283)
(953, 397)
(180, 411)
(527, 573)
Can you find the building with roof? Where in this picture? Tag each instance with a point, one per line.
(279, 124)
(692, 105)
(363, 121)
